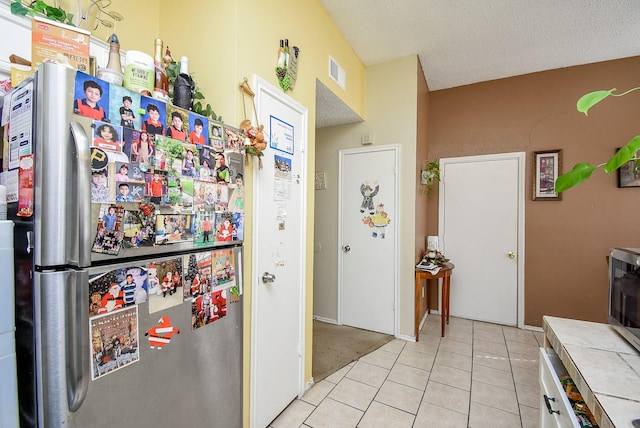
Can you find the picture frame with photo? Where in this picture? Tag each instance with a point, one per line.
(629, 173)
(547, 166)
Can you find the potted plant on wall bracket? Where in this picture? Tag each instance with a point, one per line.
(583, 170)
(429, 174)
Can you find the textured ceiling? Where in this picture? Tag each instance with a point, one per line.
(460, 42)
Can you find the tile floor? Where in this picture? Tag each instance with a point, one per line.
(480, 375)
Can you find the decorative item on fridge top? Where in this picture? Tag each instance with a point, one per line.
(287, 66)
(40, 7)
(254, 143)
(80, 19)
(112, 73)
(173, 69)
(161, 81)
(183, 86)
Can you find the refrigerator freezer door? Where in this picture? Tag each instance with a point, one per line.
(62, 343)
(62, 172)
(194, 379)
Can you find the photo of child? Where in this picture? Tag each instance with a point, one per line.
(154, 121)
(124, 193)
(88, 95)
(199, 125)
(126, 114)
(99, 190)
(107, 137)
(156, 187)
(123, 172)
(144, 148)
(217, 136)
(175, 130)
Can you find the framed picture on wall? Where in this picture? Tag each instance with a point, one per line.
(547, 165)
(629, 173)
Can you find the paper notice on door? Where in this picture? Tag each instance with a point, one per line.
(20, 124)
(281, 190)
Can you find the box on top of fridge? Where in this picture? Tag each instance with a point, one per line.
(56, 42)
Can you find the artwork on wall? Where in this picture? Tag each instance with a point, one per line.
(546, 168)
(629, 173)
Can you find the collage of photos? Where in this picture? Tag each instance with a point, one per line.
(160, 175)
(188, 168)
(205, 279)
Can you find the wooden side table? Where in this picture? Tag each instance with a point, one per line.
(445, 272)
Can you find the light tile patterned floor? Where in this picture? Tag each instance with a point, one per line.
(480, 375)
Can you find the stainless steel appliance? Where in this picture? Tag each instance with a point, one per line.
(624, 293)
(132, 321)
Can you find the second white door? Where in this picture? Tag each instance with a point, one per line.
(368, 234)
(481, 223)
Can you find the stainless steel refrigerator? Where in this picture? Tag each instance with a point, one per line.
(128, 306)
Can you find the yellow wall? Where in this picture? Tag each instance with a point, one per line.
(228, 41)
(136, 31)
(392, 111)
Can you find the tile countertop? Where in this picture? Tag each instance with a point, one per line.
(603, 365)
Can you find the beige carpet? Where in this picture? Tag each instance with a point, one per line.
(335, 346)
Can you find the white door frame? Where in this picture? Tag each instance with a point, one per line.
(520, 157)
(393, 225)
(263, 86)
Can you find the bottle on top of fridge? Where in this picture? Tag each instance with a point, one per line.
(112, 73)
(183, 86)
(161, 81)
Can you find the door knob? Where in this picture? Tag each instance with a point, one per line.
(268, 277)
(346, 248)
(511, 255)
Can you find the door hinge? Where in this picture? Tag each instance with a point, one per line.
(299, 349)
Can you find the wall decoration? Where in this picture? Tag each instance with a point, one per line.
(629, 172)
(253, 141)
(287, 65)
(546, 168)
(321, 181)
(368, 192)
(378, 221)
(375, 217)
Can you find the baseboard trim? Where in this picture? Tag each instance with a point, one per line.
(307, 387)
(406, 338)
(327, 320)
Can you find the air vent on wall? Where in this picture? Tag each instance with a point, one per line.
(337, 73)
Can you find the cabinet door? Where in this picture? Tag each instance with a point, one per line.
(555, 409)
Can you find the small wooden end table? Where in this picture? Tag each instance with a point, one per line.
(445, 272)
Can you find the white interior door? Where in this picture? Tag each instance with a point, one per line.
(279, 206)
(367, 260)
(482, 227)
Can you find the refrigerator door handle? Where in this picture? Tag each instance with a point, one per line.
(83, 198)
(63, 361)
(78, 343)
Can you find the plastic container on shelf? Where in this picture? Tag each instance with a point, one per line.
(139, 72)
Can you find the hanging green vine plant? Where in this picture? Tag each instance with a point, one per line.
(40, 7)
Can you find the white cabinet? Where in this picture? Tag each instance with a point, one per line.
(604, 367)
(555, 409)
